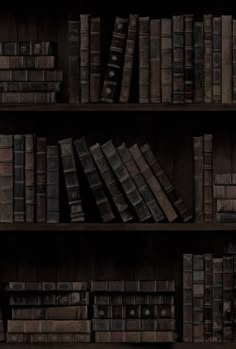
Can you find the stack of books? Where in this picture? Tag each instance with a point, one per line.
(225, 197)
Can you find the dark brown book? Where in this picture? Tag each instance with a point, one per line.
(187, 298)
(53, 211)
(198, 178)
(217, 334)
(29, 178)
(155, 60)
(49, 299)
(49, 326)
(74, 61)
(170, 190)
(224, 178)
(6, 178)
(234, 62)
(208, 59)
(27, 62)
(68, 338)
(115, 60)
(188, 59)
(31, 75)
(178, 59)
(208, 297)
(217, 59)
(227, 58)
(94, 180)
(84, 58)
(144, 59)
(198, 62)
(27, 48)
(228, 296)
(166, 60)
(27, 97)
(198, 298)
(79, 312)
(208, 178)
(153, 183)
(126, 181)
(29, 86)
(95, 59)
(129, 59)
(19, 179)
(22, 286)
(71, 180)
(41, 148)
(226, 217)
(226, 205)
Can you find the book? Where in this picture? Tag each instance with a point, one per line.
(217, 67)
(208, 178)
(144, 59)
(27, 97)
(198, 178)
(155, 60)
(84, 58)
(178, 59)
(217, 333)
(27, 62)
(28, 86)
(95, 59)
(53, 211)
(28, 75)
(208, 297)
(74, 61)
(166, 60)
(226, 58)
(27, 48)
(198, 298)
(228, 296)
(188, 58)
(49, 338)
(41, 148)
(187, 298)
(48, 286)
(19, 179)
(50, 299)
(234, 62)
(198, 62)
(208, 58)
(226, 205)
(48, 326)
(79, 312)
(29, 178)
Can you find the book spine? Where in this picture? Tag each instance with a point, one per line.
(50, 299)
(198, 62)
(208, 178)
(144, 59)
(27, 48)
(187, 298)
(208, 297)
(129, 59)
(155, 61)
(27, 62)
(115, 61)
(74, 61)
(217, 59)
(198, 178)
(48, 326)
(208, 59)
(84, 58)
(226, 217)
(198, 298)
(28, 86)
(226, 205)
(188, 59)
(228, 296)
(29, 179)
(178, 59)
(217, 300)
(234, 62)
(19, 286)
(226, 59)
(67, 338)
(41, 179)
(27, 97)
(166, 60)
(53, 212)
(95, 59)
(79, 312)
(19, 179)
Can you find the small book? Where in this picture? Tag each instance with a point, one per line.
(19, 179)
(74, 61)
(27, 97)
(29, 86)
(228, 296)
(53, 211)
(49, 326)
(48, 338)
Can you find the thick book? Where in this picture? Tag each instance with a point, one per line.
(79, 312)
(144, 59)
(217, 332)
(71, 180)
(187, 298)
(27, 97)
(141, 183)
(188, 58)
(208, 58)
(74, 61)
(6, 178)
(28, 75)
(27, 62)
(153, 183)
(126, 181)
(27, 48)
(198, 62)
(84, 57)
(208, 297)
(115, 61)
(48, 338)
(29, 178)
(49, 326)
(155, 60)
(95, 59)
(94, 180)
(208, 178)
(19, 179)
(234, 62)
(129, 59)
(198, 298)
(228, 296)
(170, 190)
(227, 49)
(178, 59)
(29, 86)
(112, 184)
(198, 178)
(166, 60)
(41, 149)
(53, 211)
(217, 67)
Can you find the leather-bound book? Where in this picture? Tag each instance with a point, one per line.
(228, 296)
(31, 75)
(208, 178)
(198, 62)
(198, 298)
(41, 148)
(53, 211)
(217, 332)
(178, 59)
(19, 179)
(227, 51)
(198, 178)
(84, 58)
(27, 97)
(144, 59)
(49, 326)
(74, 61)
(208, 59)
(30, 86)
(217, 59)
(155, 60)
(166, 60)
(48, 338)
(208, 297)
(27, 62)
(95, 59)
(188, 59)
(29, 178)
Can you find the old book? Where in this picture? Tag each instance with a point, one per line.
(53, 211)
(115, 60)
(226, 217)
(79, 312)
(71, 180)
(22, 286)
(198, 62)
(155, 60)
(49, 326)
(226, 58)
(27, 62)
(99, 286)
(28, 97)
(198, 178)
(126, 181)
(129, 59)
(166, 60)
(208, 58)
(27, 75)
(187, 298)
(217, 59)
(29, 178)
(49, 338)
(188, 58)
(228, 296)
(217, 332)
(223, 178)
(144, 59)
(19, 179)
(208, 178)
(50, 299)
(95, 59)
(141, 183)
(105, 311)
(94, 180)
(28, 86)
(170, 190)
(208, 297)
(84, 58)
(234, 62)
(41, 148)
(198, 298)
(6, 178)
(27, 48)
(74, 61)
(178, 59)
(153, 183)
(226, 205)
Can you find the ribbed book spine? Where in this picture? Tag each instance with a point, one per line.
(166, 60)
(74, 61)
(227, 58)
(19, 179)
(208, 297)
(198, 298)
(217, 59)
(178, 59)
(208, 178)
(188, 59)
(155, 60)
(144, 59)
(217, 332)
(29, 179)
(198, 178)
(95, 59)
(208, 59)
(198, 62)
(84, 58)
(187, 298)
(53, 212)
(41, 148)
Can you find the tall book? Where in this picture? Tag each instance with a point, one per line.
(41, 149)
(129, 59)
(208, 297)
(95, 59)
(187, 298)
(115, 60)
(226, 59)
(228, 296)
(170, 190)
(84, 58)
(208, 58)
(71, 180)
(74, 61)
(29, 178)
(166, 60)
(112, 184)
(198, 298)
(141, 183)
(208, 178)
(94, 180)
(155, 60)
(217, 333)
(234, 62)
(188, 58)
(216, 59)
(19, 179)
(53, 211)
(198, 178)
(6, 178)
(198, 62)
(178, 59)
(144, 59)
(126, 181)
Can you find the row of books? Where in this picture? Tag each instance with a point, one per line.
(180, 60)
(127, 184)
(28, 73)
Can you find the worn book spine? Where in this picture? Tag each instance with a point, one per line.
(19, 179)
(188, 59)
(178, 59)
(155, 60)
(6, 178)
(208, 178)
(115, 60)
(53, 211)
(41, 148)
(29, 86)
(217, 59)
(27, 97)
(208, 59)
(141, 183)
(71, 180)
(27, 48)
(166, 60)
(198, 178)
(226, 205)
(94, 180)
(234, 62)
(84, 58)
(79, 312)
(49, 338)
(27, 62)
(129, 59)
(170, 190)
(50, 299)
(31, 76)
(126, 181)
(217, 332)
(22, 286)
(187, 298)
(208, 297)
(198, 62)
(74, 61)
(226, 58)
(153, 183)
(49, 326)
(95, 59)
(198, 298)
(226, 217)
(144, 59)
(228, 296)
(111, 183)
(134, 337)
(29, 178)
